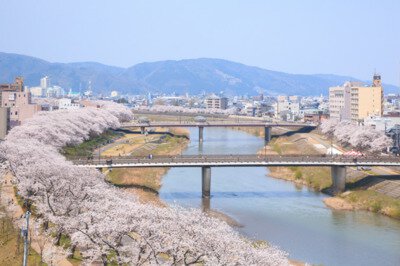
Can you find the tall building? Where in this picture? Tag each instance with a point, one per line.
(18, 100)
(216, 102)
(45, 82)
(355, 101)
(340, 101)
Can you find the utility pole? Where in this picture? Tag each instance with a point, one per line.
(25, 233)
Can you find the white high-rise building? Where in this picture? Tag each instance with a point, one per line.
(45, 82)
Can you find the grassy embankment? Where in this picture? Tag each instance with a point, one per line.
(145, 182)
(319, 178)
(86, 148)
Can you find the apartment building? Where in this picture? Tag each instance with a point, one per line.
(18, 100)
(340, 101)
(216, 102)
(355, 101)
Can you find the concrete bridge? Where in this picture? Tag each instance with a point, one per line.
(201, 125)
(338, 164)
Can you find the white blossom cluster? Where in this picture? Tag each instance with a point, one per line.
(362, 138)
(104, 222)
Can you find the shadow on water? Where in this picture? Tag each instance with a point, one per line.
(128, 131)
(239, 194)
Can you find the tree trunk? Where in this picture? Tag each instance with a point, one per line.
(58, 238)
(73, 248)
(46, 225)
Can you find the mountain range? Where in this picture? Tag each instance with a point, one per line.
(193, 76)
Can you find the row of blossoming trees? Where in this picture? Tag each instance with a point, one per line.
(103, 221)
(181, 109)
(362, 138)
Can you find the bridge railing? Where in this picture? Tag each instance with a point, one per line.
(215, 123)
(217, 158)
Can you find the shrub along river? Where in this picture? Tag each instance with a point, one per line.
(283, 214)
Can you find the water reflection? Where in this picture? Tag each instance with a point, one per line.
(239, 194)
(200, 149)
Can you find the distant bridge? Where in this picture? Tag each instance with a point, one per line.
(338, 164)
(201, 125)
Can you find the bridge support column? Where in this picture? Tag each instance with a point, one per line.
(142, 130)
(267, 134)
(338, 178)
(206, 181)
(201, 131)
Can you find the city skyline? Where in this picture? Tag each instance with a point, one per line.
(303, 38)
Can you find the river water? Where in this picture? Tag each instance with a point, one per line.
(288, 216)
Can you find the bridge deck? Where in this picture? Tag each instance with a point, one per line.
(216, 124)
(235, 161)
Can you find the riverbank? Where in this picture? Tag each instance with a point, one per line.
(357, 197)
(145, 182)
(367, 200)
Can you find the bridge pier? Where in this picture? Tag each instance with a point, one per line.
(201, 131)
(206, 181)
(142, 130)
(338, 178)
(267, 134)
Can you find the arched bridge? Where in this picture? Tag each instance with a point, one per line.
(338, 164)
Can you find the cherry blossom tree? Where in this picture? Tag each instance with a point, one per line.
(105, 222)
(362, 138)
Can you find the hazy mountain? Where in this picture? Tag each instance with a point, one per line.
(193, 76)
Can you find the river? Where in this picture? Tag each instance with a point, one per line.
(290, 217)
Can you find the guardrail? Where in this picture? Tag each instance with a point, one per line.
(239, 159)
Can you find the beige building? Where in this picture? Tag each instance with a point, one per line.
(18, 100)
(213, 101)
(355, 101)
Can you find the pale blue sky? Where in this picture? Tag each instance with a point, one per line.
(348, 37)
